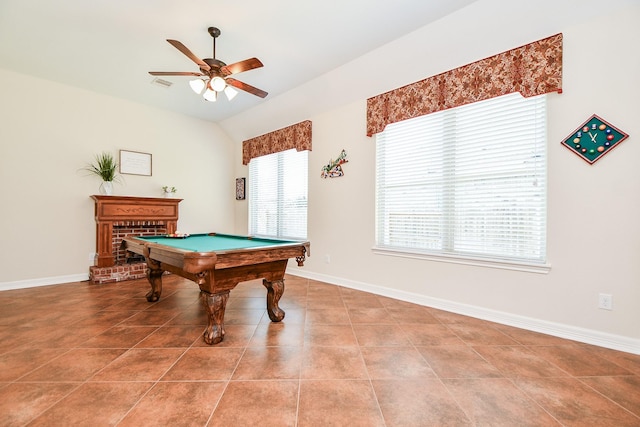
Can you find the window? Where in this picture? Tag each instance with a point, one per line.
(466, 183)
(278, 195)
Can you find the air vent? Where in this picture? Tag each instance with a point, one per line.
(161, 83)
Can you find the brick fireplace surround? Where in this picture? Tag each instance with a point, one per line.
(121, 216)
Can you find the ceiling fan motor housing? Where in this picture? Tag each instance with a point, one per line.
(215, 65)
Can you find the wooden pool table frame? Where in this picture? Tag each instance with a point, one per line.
(218, 272)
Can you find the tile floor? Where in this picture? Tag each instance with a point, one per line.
(95, 355)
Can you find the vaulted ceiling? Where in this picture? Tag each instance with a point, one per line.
(109, 46)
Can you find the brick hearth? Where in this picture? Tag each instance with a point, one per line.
(117, 273)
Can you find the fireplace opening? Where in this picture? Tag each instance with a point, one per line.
(124, 229)
(134, 258)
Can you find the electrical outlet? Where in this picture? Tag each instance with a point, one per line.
(605, 301)
(327, 258)
(92, 256)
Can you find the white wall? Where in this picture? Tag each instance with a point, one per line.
(50, 131)
(593, 210)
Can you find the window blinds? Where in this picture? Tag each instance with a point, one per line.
(469, 181)
(278, 195)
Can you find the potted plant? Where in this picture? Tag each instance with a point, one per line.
(105, 167)
(169, 191)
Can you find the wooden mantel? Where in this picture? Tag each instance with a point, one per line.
(113, 209)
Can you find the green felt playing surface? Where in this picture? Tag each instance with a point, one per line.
(219, 242)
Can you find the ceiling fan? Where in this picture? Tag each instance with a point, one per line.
(215, 72)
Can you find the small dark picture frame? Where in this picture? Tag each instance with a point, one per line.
(240, 183)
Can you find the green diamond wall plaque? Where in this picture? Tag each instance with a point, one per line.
(594, 138)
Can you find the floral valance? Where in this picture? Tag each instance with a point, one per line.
(533, 69)
(296, 136)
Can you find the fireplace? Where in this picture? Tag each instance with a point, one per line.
(121, 216)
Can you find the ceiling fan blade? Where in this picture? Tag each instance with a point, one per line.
(182, 48)
(246, 87)
(239, 67)
(175, 73)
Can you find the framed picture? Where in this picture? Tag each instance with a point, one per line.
(135, 163)
(240, 188)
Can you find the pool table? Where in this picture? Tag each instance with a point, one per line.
(217, 263)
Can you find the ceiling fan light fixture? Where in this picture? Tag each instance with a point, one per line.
(217, 83)
(197, 85)
(210, 95)
(230, 92)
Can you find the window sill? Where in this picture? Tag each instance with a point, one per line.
(479, 262)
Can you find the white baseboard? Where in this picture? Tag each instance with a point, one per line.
(46, 281)
(587, 336)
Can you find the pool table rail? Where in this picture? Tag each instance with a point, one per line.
(196, 262)
(189, 261)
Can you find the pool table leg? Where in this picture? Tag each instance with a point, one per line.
(275, 290)
(155, 280)
(154, 275)
(215, 304)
